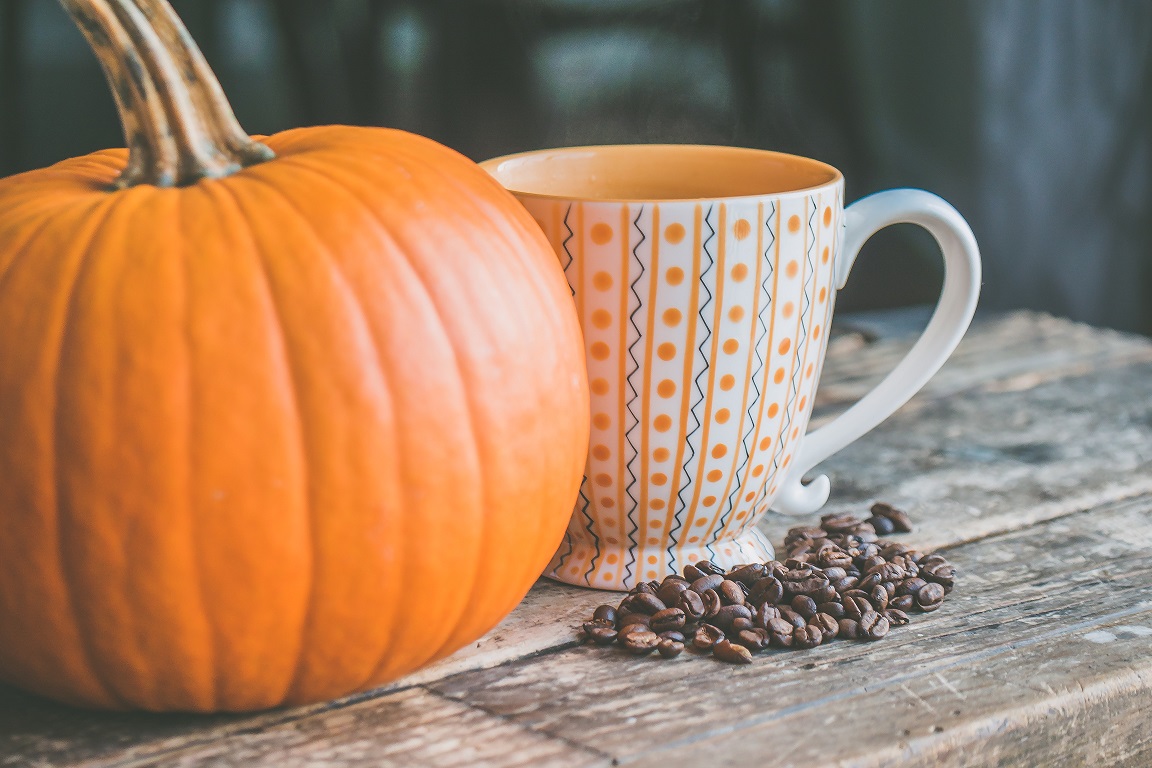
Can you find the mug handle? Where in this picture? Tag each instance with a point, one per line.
(950, 320)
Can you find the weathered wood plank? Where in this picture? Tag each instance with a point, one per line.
(407, 728)
(1016, 633)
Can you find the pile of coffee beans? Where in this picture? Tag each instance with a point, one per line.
(839, 580)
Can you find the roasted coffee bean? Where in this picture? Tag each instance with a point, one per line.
(834, 573)
(849, 629)
(748, 575)
(832, 608)
(804, 605)
(706, 637)
(753, 639)
(824, 594)
(873, 626)
(740, 623)
(807, 637)
(930, 596)
(804, 532)
(828, 625)
(642, 588)
(766, 590)
(691, 604)
(896, 617)
(601, 635)
(670, 649)
(672, 634)
(712, 603)
(727, 613)
(882, 525)
(705, 583)
(670, 590)
(808, 586)
(890, 588)
(669, 618)
(910, 586)
(632, 629)
(879, 598)
(792, 617)
(589, 625)
(868, 563)
(855, 593)
(837, 523)
(626, 618)
(731, 653)
(800, 554)
(765, 613)
(645, 602)
(901, 523)
(691, 573)
(855, 607)
(640, 643)
(780, 633)
(605, 613)
(730, 592)
(707, 567)
(868, 582)
(902, 602)
(845, 584)
(944, 575)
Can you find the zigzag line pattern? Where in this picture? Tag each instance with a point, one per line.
(681, 504)
(754, 402)
(569, 539)
(567, 252)
(631, 404)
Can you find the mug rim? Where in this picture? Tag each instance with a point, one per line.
(834, 176)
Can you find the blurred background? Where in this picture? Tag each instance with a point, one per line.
(1033, 118)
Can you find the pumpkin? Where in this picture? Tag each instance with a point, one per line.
(279, 420)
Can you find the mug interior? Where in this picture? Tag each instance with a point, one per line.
(657, 172)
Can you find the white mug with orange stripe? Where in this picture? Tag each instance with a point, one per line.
(704, 278)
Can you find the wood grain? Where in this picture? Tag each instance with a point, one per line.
(1035, 420)
(1018, 635)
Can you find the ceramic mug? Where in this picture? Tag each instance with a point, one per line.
(704, 279)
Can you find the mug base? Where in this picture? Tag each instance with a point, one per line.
(620, 568)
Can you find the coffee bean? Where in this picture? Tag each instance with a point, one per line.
(727, 613)
(930, 596)
(691, 573)
(839, 523)
(879, 598)
(807, 637)
(910, 586)
(896, 617)
(833, 609)
(730, 592)
(797, 570)
(835, 572)
(902, 602)
(626, 618)
(712, 603)
(828, 625)
(873, 626)
(605, 613)
(732, 653)
(645, 602)
(670, 590)
(793, 618)
(824, 594)
(691, 604)
(845, 584)
(765, 613)
(640, 643)
(672, 634)
(631, 629)
(669, 618)
(705, 583)
(901, 523)
(740, 623)
(849, 629)
(766, 590)
(601, 635)
(807, 586)
(882, 525)
(748, 575)
(804, 605)
(670, 649)
(706, 637)
(753, 639)
(643, 588)
(855, 607)
(708, 567)
(780, 633)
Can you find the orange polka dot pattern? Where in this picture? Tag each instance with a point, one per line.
(700, 326)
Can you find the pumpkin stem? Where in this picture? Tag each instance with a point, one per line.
(177, 122)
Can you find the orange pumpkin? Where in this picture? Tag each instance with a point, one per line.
(278, 421)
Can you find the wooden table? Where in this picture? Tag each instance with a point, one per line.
(1029, 457)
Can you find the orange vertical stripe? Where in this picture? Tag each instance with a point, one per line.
(755, 315)
(689, 356)
(622, 381)
(716, 318)
(646, 394)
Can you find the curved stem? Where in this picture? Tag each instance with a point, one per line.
(177, 122)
